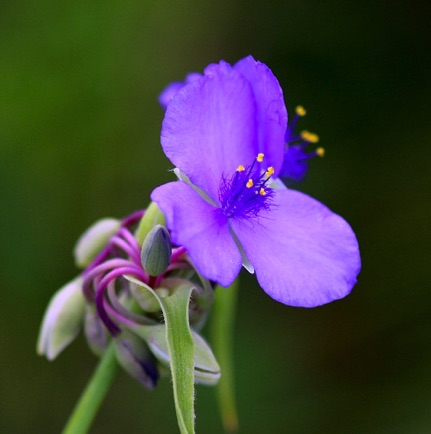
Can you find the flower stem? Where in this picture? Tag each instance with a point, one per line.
(85, 410)
(223, 318)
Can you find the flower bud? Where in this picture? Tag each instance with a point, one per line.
(62, 320)
(136, 359)
(207, 370)
(94, 239)
(156, 251)
(153, 216)
(95, 331)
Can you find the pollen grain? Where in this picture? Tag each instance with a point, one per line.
(300, 111)
(309, 137)
(269, 171)
(320, 152)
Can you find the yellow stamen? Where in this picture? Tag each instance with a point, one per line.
(262, 191)
(300, 111)
(309, 137)
(259, 157)
(320, 151)
(240, 168)
(269, 171)
(249, 183)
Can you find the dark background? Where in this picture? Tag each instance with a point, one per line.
(79, 140)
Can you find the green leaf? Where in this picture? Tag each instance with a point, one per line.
(175, 308)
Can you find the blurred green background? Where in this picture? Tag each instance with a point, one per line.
(79, 139)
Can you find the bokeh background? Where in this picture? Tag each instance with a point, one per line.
(79, 139)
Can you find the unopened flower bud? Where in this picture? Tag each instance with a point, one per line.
(136, 359)
(156, 251)
(95, 331)
(62, 320)
(94, 239)
(153, 216)
(206, 368)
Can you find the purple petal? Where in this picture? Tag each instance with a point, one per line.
(172, 89)
(202, 229)
(271, 110)
(169, 92)
(303, 254)
(209, 127)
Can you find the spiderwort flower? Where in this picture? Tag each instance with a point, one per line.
(226, 132)
(295, 161)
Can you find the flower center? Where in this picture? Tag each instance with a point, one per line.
(246, 192)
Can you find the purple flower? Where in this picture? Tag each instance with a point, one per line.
(225, 132)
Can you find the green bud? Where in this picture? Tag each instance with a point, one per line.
(153, 216)
(94, 239)
(156, 251)
(136, 359)
(207, 370)
(62, 320)
(95, 331)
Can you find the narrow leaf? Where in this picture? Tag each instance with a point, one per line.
(175, 308)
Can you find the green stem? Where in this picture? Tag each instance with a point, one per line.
(85, 410)
(223, 319)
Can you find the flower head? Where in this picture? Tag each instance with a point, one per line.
(226, 133)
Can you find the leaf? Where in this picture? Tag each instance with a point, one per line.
(175, 308)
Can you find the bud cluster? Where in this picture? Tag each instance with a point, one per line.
(116, 297)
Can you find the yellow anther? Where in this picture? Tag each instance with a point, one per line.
(259, 157)
(249, 183)
(269, 171)
(320, 152)
(300, 111)
(240, 168)
(309, 137)
(262, 191)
